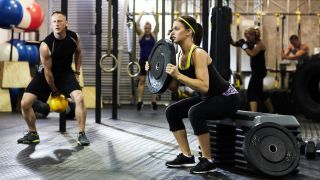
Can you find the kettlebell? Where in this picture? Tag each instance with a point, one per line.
(58, 104)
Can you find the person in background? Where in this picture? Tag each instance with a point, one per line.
(296, 50)
(255, 48)
(147, 40)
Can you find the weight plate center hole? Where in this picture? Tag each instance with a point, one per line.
(273, 148)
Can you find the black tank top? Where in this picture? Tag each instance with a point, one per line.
(217, 85)
(62, 51)
(146, 46)
(258, 63)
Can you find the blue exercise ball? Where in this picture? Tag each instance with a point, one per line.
(33, 53)
(22, 49)
(11, 13)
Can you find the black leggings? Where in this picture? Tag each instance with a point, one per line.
(199, 110)
(255, 88)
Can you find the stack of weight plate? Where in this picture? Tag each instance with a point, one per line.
(256, 142)
(222, 139)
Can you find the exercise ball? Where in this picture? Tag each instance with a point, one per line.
(26, 3)
(5, 52)
(22, 49)
(58, 104)
(36, 14)
(26, 20)
(41, 109)
(10, 12)
(33, 53)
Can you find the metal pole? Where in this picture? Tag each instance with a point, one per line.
(157, 18)
(115, 53)
(62, 116)
(172, 11)
(11, 46)
(64, 6)
(98, 30)
(163, 18)
(186, 8)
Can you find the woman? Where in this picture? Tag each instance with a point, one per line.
(255, 48)
(146, 41)
(216, 98)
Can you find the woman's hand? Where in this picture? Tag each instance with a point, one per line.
(146, 66)
(172, 70)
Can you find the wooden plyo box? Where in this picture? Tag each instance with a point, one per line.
(14, 74)
(89, 94)
(5, 103)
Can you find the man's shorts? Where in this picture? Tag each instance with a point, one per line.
(65, 82)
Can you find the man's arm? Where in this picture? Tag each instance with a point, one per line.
(297, 55)
(286, 53)
(78, 57)
(46, 60)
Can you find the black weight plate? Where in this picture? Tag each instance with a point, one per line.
(162, 53)
(271, 149)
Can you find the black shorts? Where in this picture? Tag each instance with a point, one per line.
(66, 83)
(142, 63)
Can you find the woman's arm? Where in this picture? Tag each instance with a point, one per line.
(256, 49)
(138, 28)
(201, 82)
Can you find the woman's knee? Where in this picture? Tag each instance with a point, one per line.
(198, 121)
(170, 113)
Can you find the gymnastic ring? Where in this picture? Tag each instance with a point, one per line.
(138, 69)
(104, 69)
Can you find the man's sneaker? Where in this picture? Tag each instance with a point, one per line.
(181, 161)
(29, 138)
(82, 139)
(154, 106)
(139, 105)
(204, 166)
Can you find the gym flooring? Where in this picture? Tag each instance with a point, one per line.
(135, 146)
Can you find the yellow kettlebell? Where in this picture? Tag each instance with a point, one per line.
(58, 104)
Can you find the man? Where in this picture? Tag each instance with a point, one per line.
(296, 50)
(55, 76)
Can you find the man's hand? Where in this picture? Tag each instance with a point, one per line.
(55, 93)
(77, 77)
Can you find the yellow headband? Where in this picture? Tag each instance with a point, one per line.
(187, 24)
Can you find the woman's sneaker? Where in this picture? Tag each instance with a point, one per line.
(204, 166)
(154, 106)
(139, 106)
(29, 138)
(181, 161)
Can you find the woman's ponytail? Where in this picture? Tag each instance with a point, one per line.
(197, 38)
